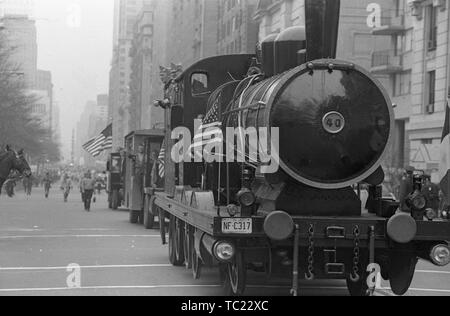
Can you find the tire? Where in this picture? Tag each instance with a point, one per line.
(134, 217)
(174, 249)
(149, 218)
(235, 276)
(358, 288)
(110, 201)
(115, 200)
(188, 246)
(401, 271)
(180, 227)
(196, 264)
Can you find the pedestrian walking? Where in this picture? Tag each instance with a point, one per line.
(47, 181)
(28, 185)
(88, 190)
(66, 187)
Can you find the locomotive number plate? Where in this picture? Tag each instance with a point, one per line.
(333, 122)
(237, 226)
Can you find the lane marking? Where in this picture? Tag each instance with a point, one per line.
(86, 267)
(415, 290)
(78, 236)
(133, 287)
(432, 272)
(429, 290)
(149, 287)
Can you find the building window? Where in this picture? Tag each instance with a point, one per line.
(431, 92)
(427, 141)
(432, 28)
(402, 84)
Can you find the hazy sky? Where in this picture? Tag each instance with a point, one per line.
(75, 44)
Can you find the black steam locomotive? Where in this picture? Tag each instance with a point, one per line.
(304, 220)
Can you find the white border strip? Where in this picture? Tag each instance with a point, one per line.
(86, 267)
(79, 236)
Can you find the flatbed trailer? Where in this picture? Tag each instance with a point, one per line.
(197, 226)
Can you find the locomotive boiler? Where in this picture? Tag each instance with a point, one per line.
(335, 124)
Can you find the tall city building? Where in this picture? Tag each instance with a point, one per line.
(102, 107)
(41, 109)
(417, 66)
(21, 35)
(17, 7)
(56, 122)
(92, 122)
(192, 31)
(237, 32)
(126, 14)
(44, 82)
(145, 73)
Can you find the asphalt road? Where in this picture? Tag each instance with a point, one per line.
(40, 239)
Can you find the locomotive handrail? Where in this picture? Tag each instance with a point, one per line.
(330, 66)
(257, 105)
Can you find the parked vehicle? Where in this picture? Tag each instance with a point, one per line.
(114, 185)
(142, 149)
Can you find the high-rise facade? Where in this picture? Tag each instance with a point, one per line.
(417, 65)
(192, 31)
(237, 32)
(44, 84)
(17, 7)
(126, 14)
(144, 73)
(20, 33)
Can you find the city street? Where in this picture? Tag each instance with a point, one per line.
(40, 238)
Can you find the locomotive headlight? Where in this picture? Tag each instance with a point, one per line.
(440, 255)
(444, 214)
(417, 201)
(224, 251)
(232, 210)
(246, 198)
(430, 214)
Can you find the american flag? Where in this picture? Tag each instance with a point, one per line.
(444, 166)
(100, 143)
(161, 161)
(211, 126)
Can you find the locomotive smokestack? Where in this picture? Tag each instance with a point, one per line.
(322, 26)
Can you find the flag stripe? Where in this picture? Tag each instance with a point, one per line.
(444, 166)
(100, 143)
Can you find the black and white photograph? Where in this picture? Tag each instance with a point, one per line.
(224, 153)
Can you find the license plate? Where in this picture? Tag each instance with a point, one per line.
(237, 225)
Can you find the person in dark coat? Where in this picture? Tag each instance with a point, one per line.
(406, 188)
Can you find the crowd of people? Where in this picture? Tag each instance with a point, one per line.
(89, 183)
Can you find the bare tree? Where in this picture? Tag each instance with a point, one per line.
(18, 126)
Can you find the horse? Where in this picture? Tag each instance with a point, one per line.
(9, 161)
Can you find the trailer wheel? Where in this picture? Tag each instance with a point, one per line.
(110, 201)
(115, 200)
(180, 236)
(235, 275)
(134, 217)
(149, 217)
(358, 288)
(174, 257)
(188, 246)
(196, 265)
(401, 271)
